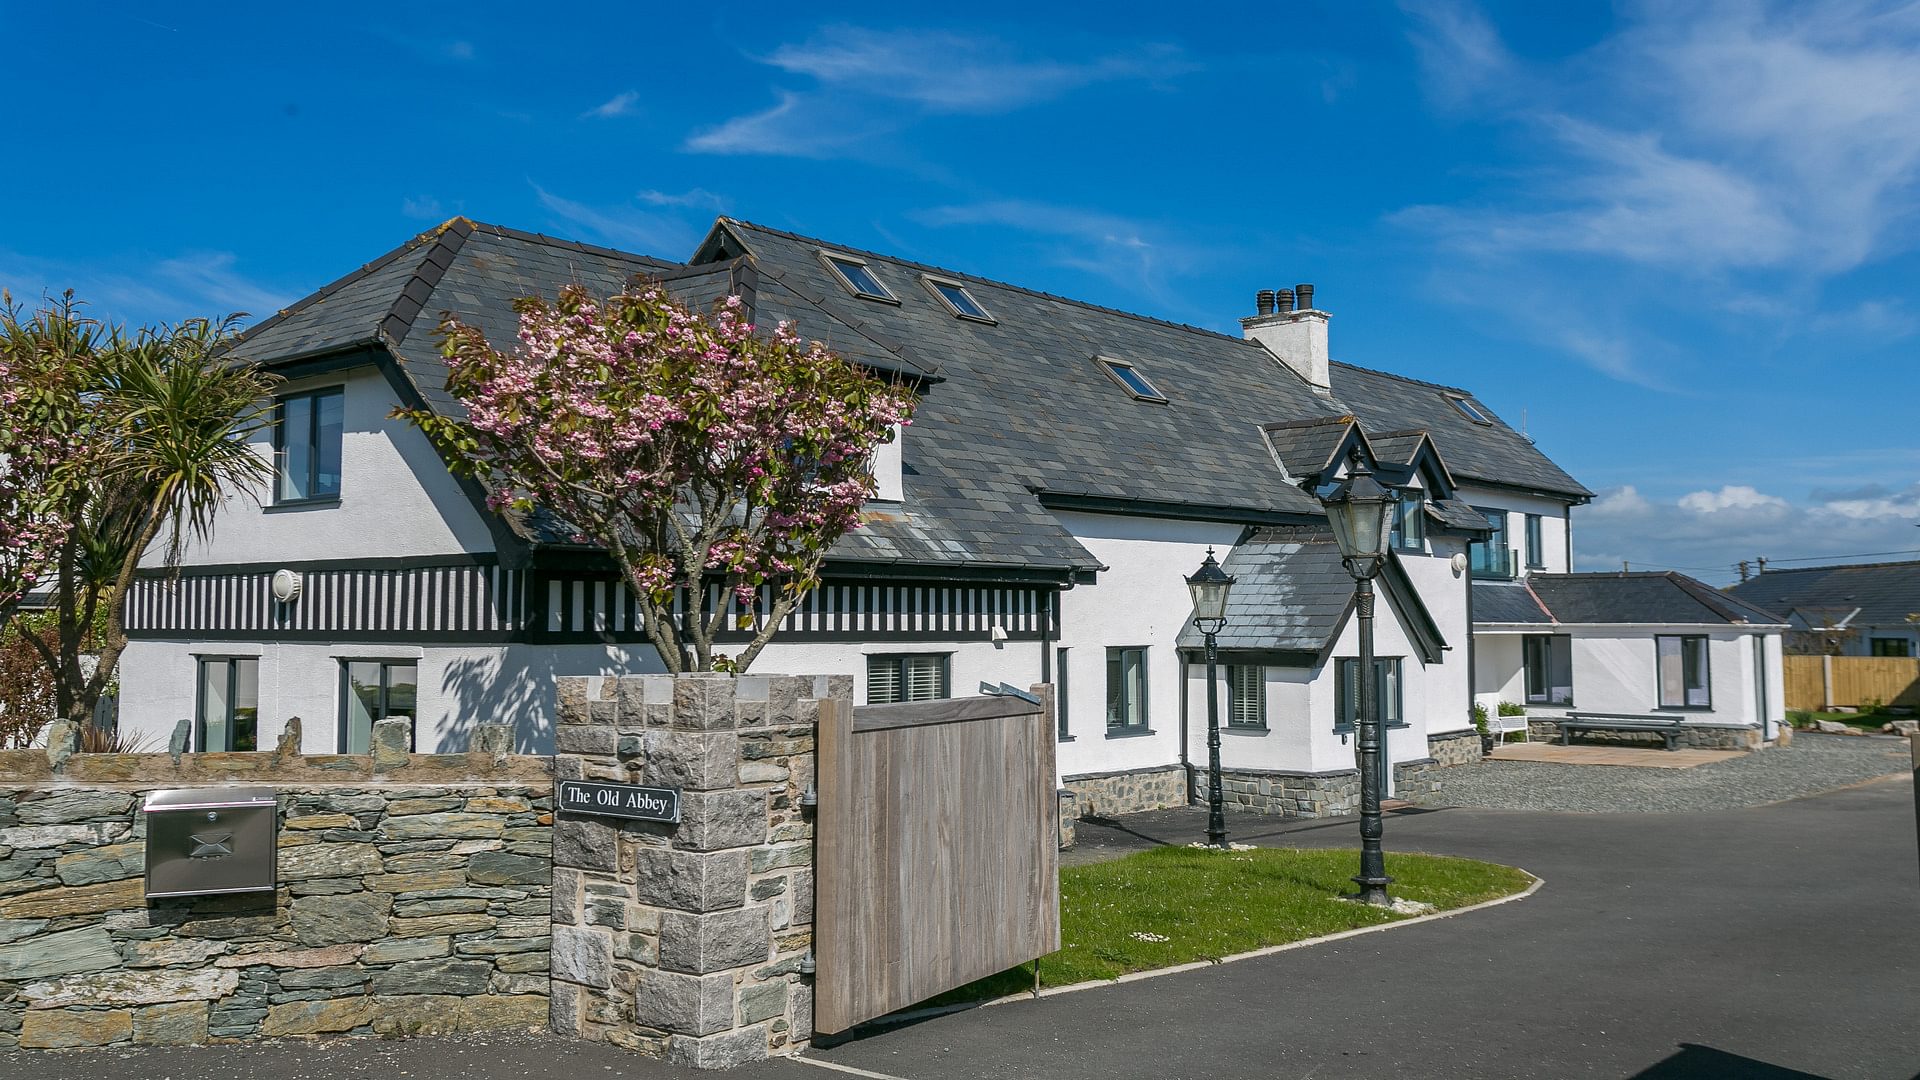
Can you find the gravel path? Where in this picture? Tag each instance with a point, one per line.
(1813, 764)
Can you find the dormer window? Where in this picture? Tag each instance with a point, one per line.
(1130, 379)
(1469, 410)
(957, 299)
(858, 278)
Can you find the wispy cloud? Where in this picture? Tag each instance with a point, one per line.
(140, 290)
(863, 77)
(617, 105)
(424, 207)
(629, 228)
(1744, 150)
(696, 198)
(1135, 255)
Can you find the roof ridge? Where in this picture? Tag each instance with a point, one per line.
(413, 297)
(1405, 378)
(997, 283)
(1713, 600)
(1833, 566)
(1312, 421)
(512, 233)
(1539, 603)
(333, 287)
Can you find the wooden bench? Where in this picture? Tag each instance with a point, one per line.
(1665, 726)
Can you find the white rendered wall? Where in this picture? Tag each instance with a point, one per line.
(1615, 671)
(969, 663)
(459, 687)
(1140, 601)
(1500, 675)
(1554, 523)
(396, 496)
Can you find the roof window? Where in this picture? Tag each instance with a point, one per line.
(1469, 410)
(858, 279)
(957, 298)
(1131, 380)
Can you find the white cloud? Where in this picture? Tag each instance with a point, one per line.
(141, 290)
(618, 105)
(1460, 52)
(1620, 502)
(643, 232)
(424, 207)
(862, 78)
(695, 197)
(1737, 497)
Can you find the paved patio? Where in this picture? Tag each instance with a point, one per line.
(1640, 756)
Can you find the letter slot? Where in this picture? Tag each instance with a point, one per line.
(210, 841)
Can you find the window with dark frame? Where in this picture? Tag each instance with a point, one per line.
(1410, 521)
(1490, 556)
(228, 717)
(1386, 688)
(1536, 547)
(372, 691)
(957, 299)
(1469, 410)
(858, 279)
(1683, 676)
(307, 428)
(1060, 691)
(1890, 646)
(1246, 696)
(1549, 669)
(1126, 690)
(1131, 380)
(906, 677)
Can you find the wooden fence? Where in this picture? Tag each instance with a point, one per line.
(937, 852)
(1814, 682)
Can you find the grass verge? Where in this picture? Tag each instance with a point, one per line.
(1175, 905)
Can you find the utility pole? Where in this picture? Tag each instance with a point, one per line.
(1763, 564)
(1743, 571)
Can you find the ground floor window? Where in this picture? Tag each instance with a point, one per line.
(1386, 690)
(1891, 646)
(1549, 665)
(229, 715)
(1683, 676)
(376, 690)
(1126, 690)
(1246, 696)
(912, 677)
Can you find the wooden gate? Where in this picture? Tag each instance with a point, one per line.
(937, 850)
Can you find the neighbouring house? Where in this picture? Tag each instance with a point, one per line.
(1860, 609)
(1069, 465)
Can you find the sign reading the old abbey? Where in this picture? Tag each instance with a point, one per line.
(618, 800)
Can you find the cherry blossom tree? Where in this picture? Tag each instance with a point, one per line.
(709, 461)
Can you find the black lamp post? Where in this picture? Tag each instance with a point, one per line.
(1359, 510)
(1209, 586)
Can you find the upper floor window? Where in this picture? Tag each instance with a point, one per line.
(1410, 521)
(915, 677)
(1246, 696)
(1131, 380)
(229, 715)
(957, 299)
(1891, 646)
(1536, 544)
(306, 445)
(1126, 691)
(1491, 557)
(1386, 690)
(1683, 675)
(857, 277)
(1469, 410)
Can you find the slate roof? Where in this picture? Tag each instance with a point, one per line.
(1289, 592)
(1886, 593)
(1615, 598)
(1491, 453)
(1503, 602)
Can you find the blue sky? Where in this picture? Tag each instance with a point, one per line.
(1682, 245)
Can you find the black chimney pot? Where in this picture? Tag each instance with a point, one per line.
(1263, 302)
(1305, 294)
(1283, 298)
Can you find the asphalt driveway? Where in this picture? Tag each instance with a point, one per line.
(1770, 942)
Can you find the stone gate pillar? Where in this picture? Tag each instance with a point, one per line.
(687, 940)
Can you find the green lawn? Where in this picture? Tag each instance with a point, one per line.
(1209, 904)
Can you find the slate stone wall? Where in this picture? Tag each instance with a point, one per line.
(1289, 794)
(687, 940)
(1454, 748)
(1127, 792)
(403, 907)
(1692, 736)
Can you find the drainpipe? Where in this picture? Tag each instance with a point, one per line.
(1186, 768)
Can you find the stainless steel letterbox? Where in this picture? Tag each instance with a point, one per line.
(205, 841)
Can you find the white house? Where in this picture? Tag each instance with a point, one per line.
(1069, 465)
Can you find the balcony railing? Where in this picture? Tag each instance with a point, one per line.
(1495, 563)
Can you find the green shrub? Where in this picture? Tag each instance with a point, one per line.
(1512, 708)
(1480, 719)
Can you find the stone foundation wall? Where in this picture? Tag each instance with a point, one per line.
(1692, 736)
(1289, 794)
(1128, 792)
(1454, 748)
(1418, 779)
(688, 940)
(413, 903)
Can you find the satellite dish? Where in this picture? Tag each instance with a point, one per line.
(286, 586)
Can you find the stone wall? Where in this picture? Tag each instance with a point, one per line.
(1692, 736)
(1128, 792)
(1422, 778)
(1454, 748)
(688, 941)
(411, 901)
(1289, 794)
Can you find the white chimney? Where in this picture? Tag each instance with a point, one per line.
(1297, 338)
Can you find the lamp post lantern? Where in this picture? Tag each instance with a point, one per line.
(1360, 511)
(1209, 586)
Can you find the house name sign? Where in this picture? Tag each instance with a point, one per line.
(618, 800)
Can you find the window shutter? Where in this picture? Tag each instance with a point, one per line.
(922, 676)
(883, 680)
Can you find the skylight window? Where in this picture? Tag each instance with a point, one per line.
(858, 279)
(1469, 410)
(957, 298)
(1131, 379)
